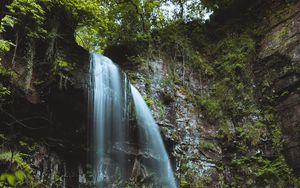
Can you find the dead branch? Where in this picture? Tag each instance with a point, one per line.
(19, 122)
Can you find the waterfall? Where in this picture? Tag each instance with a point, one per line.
(125, 141)
(155, 143)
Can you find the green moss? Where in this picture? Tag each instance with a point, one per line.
(209, 107)
(132, 77)
(229, 105)
(208, 146)
(283, 11)
(278, 35)
(148, 86)
(137, 60)
(61, 64)
(148, 101)
(161, 108)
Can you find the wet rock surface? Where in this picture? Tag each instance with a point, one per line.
(170, 96)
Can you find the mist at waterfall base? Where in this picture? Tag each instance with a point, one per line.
(126, 142)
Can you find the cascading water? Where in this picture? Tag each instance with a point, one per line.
(126, 143)
(109, 116)
(155, 143)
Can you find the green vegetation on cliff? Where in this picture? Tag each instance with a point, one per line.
(39, 43)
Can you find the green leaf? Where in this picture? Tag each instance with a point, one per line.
(5, 45)
(20, 175)
(8, 20)
(10, 178)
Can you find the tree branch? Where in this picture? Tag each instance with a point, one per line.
(15, 50)
(19, 122)
(137, 11)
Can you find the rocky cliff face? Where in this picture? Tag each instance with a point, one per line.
(54, 112)
(169, 89)
(45, 116)
(277, 76)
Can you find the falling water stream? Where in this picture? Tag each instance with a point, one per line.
(155, 143)
(126, 141)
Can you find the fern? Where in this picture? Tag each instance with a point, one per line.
(20, 173)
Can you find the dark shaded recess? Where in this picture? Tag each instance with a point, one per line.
(288, 113)
(273, 69)
(3, 9)
(120, 53)
(59, 118)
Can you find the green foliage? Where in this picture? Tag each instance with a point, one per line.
(259, 170)
(208, 146)
(227, 104)
(17, 158)
(232, 85)
(118, 21)
(215, 4)
(16, 169)
(6, 76)
(210, 107)
(4, 91)
(242, 125)
(13, 180)
(187, 10)
(174, 44)
(22, 173)
(6, 21)
(4, 46)
(28, 14)
(32, 13)
(137, 60)
(61, 65)
(233, 62)
(148, 101)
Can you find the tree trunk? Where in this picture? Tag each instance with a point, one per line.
(30, 63)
